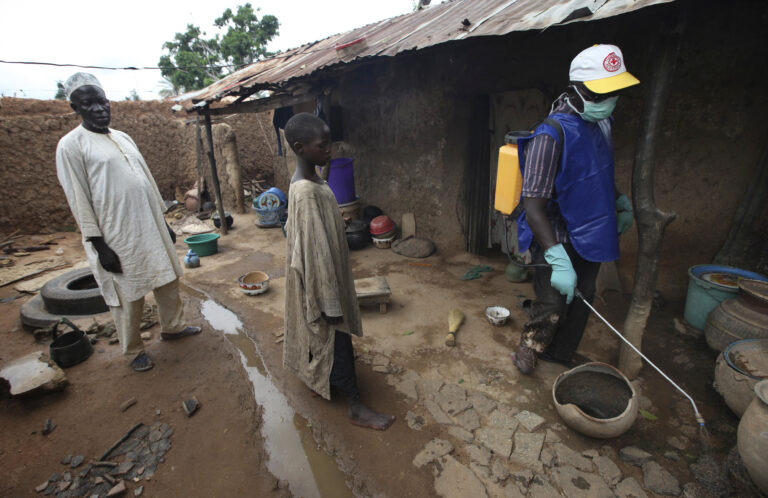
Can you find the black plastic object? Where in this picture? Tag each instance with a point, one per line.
(71, 348)
(217, 221)
(371, 212)
(74, 293)
(357, 235)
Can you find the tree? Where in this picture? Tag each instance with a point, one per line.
(246, 39)
(194, 61)
(133, 96)
(168, 89)
(61, 94)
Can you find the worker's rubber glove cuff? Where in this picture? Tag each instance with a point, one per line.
(563, 277)
(623, 214)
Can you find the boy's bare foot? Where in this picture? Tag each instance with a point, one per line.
(361, 415)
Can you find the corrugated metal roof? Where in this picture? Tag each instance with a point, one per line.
(446, 22)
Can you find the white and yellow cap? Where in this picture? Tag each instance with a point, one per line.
(601, 68)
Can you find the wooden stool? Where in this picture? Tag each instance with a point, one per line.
(373, 290)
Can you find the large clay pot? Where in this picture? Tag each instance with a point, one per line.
(752, 438)
(744, 317)
(742, 365)
(594, 395)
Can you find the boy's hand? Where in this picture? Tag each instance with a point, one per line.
(171, 233)
(333, 320)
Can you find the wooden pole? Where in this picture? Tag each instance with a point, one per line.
(199, 151)
(214, 174)
(651, 221)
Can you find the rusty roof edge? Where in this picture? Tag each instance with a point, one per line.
(254, 82)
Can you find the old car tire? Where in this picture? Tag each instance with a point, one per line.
(34, 316)
(74, 293)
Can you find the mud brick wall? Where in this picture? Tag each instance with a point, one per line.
(32, 199)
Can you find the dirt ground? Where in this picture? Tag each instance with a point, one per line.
(231, 448)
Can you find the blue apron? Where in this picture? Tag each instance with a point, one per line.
(584, 188)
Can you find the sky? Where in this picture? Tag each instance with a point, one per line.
(120, 34)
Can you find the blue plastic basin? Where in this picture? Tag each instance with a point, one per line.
(703, 295)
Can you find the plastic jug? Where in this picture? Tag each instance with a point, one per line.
(191, 259)
(509, 179)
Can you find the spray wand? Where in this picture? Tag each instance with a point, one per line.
(699, 417)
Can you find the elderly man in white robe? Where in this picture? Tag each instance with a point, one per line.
(119, 210)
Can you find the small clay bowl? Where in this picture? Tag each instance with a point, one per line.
(383, 243)
(497, 315)
(254, 282)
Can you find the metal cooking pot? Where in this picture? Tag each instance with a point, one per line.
(71, 348)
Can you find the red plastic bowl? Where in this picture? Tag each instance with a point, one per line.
(381, 224)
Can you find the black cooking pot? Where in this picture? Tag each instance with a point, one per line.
(217, 221)
(357, 235)
(71, 348)
(371, 212)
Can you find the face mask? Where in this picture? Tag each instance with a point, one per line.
(595, 111)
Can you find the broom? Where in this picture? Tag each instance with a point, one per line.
(455, 318)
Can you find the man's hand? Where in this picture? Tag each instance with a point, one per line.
(107, 257)
(623, 214)
(563, 275)
(171, 233)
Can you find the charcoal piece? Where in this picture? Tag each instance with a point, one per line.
(191, 406)
(140, 432)
(121, 469)
(48, 427)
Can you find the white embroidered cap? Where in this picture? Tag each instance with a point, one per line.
(78, 80)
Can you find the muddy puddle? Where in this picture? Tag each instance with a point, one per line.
(293, 453)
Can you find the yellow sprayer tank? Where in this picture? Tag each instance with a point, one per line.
(509, 180)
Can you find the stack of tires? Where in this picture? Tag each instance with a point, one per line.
(74, 293)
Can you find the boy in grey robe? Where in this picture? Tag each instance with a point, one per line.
(321, 309)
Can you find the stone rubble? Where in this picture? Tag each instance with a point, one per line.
(432, 451)
(415, 422)
(490, 441)
(630, 488)
(135, 459)
(530, 421)
(635, 456)
(659, 480)
(608, 470)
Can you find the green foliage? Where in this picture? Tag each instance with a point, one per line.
(133, 96)
(193, 62)
(61, 94)
(648, 415)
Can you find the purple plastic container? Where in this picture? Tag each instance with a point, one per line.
(341, 179)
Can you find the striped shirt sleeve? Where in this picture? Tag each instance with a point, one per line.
(541, 163)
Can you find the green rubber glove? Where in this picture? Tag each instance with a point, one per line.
(563, 275)
(623, 214)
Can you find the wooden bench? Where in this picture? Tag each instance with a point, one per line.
(373, 290)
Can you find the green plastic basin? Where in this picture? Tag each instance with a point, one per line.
(204, 244)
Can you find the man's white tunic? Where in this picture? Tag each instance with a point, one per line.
(112, 195)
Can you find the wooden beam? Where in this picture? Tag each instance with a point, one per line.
(199, 153)
(261, 105)
(214, 174)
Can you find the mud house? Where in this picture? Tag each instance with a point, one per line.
(422, 102)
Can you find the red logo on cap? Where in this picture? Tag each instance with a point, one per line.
(612, 62)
